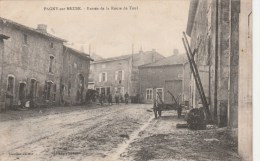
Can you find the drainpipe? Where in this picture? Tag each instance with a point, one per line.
(216, 65)
(2, 37)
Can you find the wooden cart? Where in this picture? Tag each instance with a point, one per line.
(160, 106)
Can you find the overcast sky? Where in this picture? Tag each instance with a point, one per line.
(155, 25)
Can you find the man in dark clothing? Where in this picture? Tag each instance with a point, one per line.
(102, 98)
(110, 99)
(117, 95)
(126, 98)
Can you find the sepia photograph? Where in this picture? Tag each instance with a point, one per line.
(126, 80)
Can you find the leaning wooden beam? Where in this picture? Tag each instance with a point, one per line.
(204, 100)
(196, 75)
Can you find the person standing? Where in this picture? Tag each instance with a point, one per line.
(102, 98)
(117, 95)
(126, 98)
(110, 99)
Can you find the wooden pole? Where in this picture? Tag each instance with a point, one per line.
(196, 76)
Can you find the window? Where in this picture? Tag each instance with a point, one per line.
(149, 94)
(25, 39)
(54, 92)
(159, 94)
(10, 85)
(119, 75)
(48, 86)
(51, 64)
(103, 77)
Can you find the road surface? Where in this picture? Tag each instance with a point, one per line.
(110, 133)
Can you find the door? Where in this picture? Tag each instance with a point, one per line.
(22, 92)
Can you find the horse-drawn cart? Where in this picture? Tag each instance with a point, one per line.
(160, 106)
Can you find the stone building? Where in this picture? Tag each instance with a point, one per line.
(32, 64)
(169, 74)
(74, 78)
(120, 73)
(213, 30)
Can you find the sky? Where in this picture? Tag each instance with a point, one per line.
(153, 24)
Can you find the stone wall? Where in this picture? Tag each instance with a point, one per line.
(28, 60)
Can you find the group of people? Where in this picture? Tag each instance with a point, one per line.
(118, 98)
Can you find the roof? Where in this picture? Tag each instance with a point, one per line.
(31, 29)
(168, 61)
(123, 57)
(192, 13)
(96, 57)
(77, 52)
(113, 58)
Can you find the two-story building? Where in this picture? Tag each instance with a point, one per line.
(169, 74)
(74, 78)
(120, 73)
(32, 64)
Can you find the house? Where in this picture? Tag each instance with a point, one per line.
(213, 30)
(32, 65)
(74, 78)
(169, 74)
(120, 73)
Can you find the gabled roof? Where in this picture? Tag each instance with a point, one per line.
(124, 57)
(77, 52)
(30, 29)
(168, 61)
(113, 59)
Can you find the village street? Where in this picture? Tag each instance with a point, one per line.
(118, 132)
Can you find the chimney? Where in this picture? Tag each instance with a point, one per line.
(153, 50)
(175, 51)
(42, 27)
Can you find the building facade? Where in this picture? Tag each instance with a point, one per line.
(213, 29)
(120, 73)
(32, 64)
(74, 78)
(169, 74)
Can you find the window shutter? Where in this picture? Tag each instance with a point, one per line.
(105, 76)
(123, 75)
(100, 77)
(116, 75)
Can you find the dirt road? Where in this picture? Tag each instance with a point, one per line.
(79, 135)
(126, 132)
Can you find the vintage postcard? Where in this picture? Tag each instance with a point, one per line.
(126, 80)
